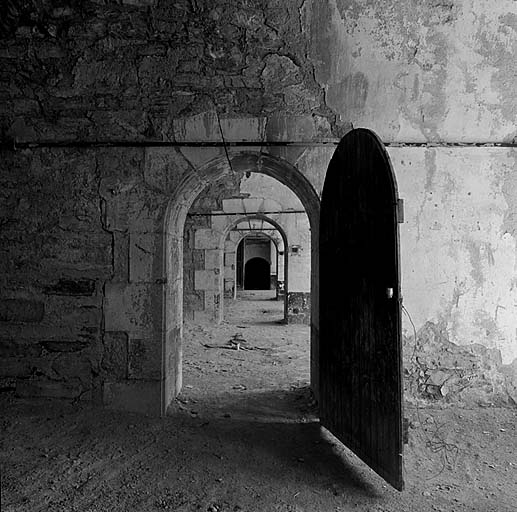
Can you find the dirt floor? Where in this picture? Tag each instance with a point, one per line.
(244, 436)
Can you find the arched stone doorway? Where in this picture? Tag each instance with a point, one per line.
(174, 222)
(281, 244)
(275, 261)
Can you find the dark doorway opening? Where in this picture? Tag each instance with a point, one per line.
(257, 274)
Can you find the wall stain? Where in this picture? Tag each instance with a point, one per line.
(474, 249)
(430, 173)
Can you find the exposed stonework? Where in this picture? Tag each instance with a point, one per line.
(437, 370)
(130, 71)
(298, 308)
(82, 229)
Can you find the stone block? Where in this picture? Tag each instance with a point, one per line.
(78, 287)
(212, 259)
(89, 253)
(64, 345)
(212, 305)
(233, 206)
(229, 288)
(145, 359)
(243, 128)
(131, 206)
(122, 164)
(133, 308)
(205, 280)
(134, 396)
(257, 204)
(114, 361)
(229, 259)
(45, 388)
(40, 333)
(201, 156)
(198, 259)
(21, 310)
(73, 311)
(233, 238)
(205, 127)
(12, 347)
(203, 317)
(15, 367)
(207, 239)
(71, 367)
(120, 256)
(282, 127)
(193, 301)
(220, 222)
(173, 365)
(145, 257)
(164, 168)
(140, 3)
(188, 281)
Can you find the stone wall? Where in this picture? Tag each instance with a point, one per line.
(194, 258)
(59, 251)
(83, 225)
(129, 70)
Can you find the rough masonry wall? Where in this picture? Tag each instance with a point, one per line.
(194, 259)
(130, 70)
(55, 257)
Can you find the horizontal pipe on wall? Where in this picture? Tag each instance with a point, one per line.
(13, 144)
(243, 213)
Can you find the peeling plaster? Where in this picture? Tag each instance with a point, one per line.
(439, 71)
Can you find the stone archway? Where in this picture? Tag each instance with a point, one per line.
(277, 241)
(240, 218)
(172, 301)
(273, 262)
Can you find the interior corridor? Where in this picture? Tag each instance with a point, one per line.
(251, 366)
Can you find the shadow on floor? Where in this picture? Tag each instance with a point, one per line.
(282, 451)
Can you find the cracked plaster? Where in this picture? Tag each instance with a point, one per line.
(288, 71)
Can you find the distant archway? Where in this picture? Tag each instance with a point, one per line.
(277, 260)
(172, 301)
(282, 244)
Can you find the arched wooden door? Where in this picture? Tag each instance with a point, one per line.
(360, 338)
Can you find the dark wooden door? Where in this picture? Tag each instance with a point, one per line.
(360, 339)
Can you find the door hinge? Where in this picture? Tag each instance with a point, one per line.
(400, 211)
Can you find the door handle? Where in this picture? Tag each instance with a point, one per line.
(389, 293)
